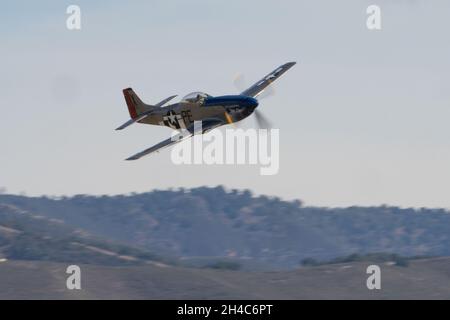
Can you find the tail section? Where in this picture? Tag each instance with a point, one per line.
(135, 105)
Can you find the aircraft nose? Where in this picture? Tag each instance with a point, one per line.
(253, 103)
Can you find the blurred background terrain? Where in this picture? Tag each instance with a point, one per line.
(223, 239)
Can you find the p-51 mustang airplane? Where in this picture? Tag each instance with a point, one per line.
(213, 112)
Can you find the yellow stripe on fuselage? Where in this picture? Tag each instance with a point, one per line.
(229, 120)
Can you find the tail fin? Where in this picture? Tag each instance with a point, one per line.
(135, 105)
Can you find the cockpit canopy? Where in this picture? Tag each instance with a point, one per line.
(195, 97)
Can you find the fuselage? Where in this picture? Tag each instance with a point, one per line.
(196, 108)
(227, 109)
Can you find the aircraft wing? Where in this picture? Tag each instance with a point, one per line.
(163, 144)
(259, 87)
(207, 125)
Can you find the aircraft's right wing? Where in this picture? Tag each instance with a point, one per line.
(163, 144)
(207, 125)
(259, 87)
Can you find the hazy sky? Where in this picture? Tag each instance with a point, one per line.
(363, 116)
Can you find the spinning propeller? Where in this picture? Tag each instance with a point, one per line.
(241, 84)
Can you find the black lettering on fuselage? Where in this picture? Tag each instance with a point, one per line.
(187, 116)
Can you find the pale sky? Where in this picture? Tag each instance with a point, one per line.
(363, 116)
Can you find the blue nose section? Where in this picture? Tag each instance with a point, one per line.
(251, 102)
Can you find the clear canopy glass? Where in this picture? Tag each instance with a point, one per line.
(195, 97)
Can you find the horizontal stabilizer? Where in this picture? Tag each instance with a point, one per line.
(160, 104)
(131, 121)
(135, 117)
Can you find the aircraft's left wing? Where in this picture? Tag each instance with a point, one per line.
(207, 125)
(259, 87)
